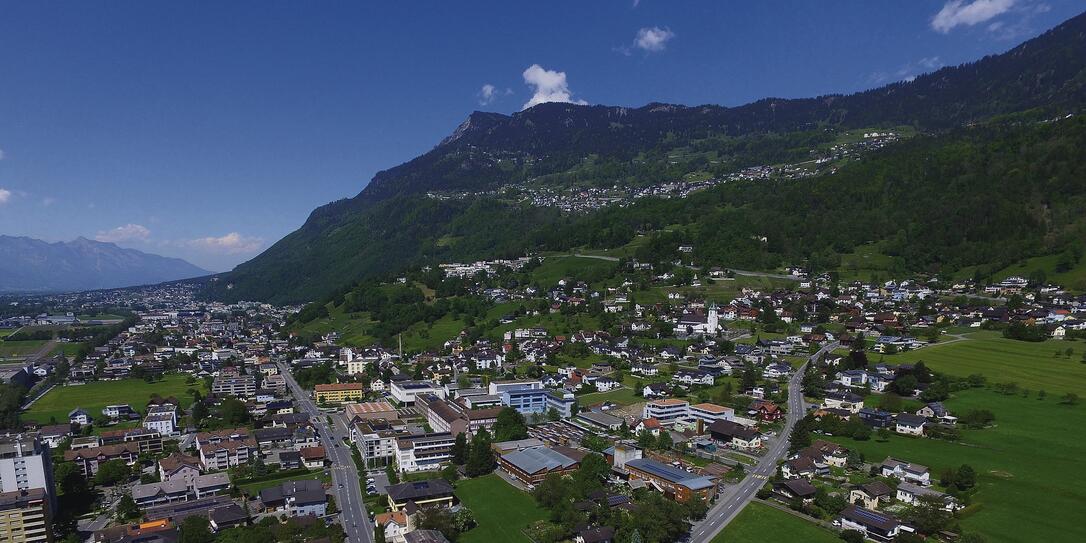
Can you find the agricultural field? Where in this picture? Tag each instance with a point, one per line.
(57, 403)
(557, 267)
(759, 522)
(1028, 465)
(1034, 366)
(351, 326)
(20, 348)
(503, 512)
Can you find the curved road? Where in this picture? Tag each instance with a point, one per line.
(735, 498)
(345, 483)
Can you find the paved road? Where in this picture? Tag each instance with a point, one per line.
(746, 273)
(735, 498)
(345, 484)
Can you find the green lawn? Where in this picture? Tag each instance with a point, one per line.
(554, 268)
(20, 348)
(621, 396)
(503, 512)
(351, 326)
(252, 489)
(1030, 480)
(68, 348)
(759, 522)
(1031, 365)
(422, 337)
(94, 396)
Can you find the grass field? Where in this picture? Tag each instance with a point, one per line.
(621, 396)
(1030, 480)
(1031, 365)
(503, 512)
(351, 327)
(554, 268)
(94, 396)
(759, 522)
(253, 489)
(20, 348)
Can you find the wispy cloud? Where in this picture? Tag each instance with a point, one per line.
(48, 201)
(128, 232)
(957, 13)
(487, 94)
(547, 86)
(2, 155)
(653, 40)
(908, 71)
(232, 243)
(5, 196)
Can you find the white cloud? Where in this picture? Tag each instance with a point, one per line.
(48, 201)
(2, 154)
(232, 243)
(487, 94)
(653, 40)
(5, 196)
(548, 86)
(956, 13)
(128, 232)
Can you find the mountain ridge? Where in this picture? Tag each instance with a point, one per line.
(33, 265)
(351, 238)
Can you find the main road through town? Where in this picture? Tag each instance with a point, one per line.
(346, 486)
(735, 498)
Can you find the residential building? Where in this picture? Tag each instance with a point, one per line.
(89, 459)
(667, 411)
(376, 441)
(25, 516)
(25, 464)
(242, 386)
(339, 392)
(905, 471)
(428, 493)
(423, 452)
(872, 524)
(709, 413)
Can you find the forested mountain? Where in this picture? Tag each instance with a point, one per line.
(33, 265)
(985, 154)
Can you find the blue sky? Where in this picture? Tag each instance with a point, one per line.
(208, 130)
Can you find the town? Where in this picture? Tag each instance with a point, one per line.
(555, 398)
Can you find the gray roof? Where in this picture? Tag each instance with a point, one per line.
(670, 473)
(419, 489)
(212, 480)
(538, 459)
(149, 490)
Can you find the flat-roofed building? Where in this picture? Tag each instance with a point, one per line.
(423, 452)
(709, 413)
(405, 392)
(24, 516)
(370, 411)
(376, 440)
(25, 464)
(242, 386)
(668, 410)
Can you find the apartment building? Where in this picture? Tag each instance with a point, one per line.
(25, 464)
(24, 516)
(376, 440)
(339, 392)
(668, 411)
(423, 452)
(242, 386)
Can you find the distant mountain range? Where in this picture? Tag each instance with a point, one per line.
(33, 265)
(392, 224)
